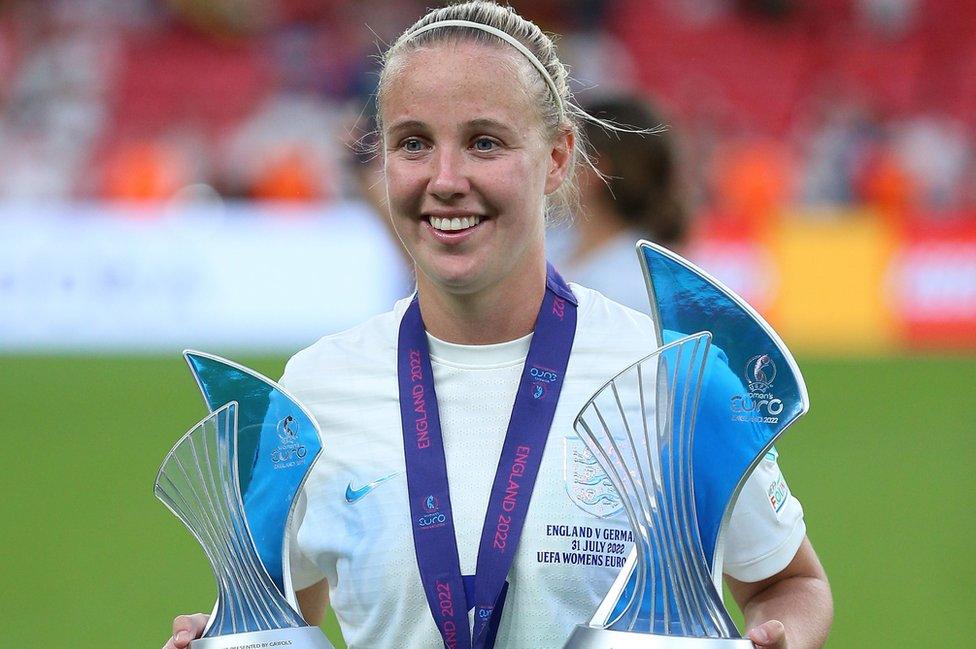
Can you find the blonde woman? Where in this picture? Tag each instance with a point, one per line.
(456, 407)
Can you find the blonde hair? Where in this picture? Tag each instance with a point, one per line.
(552, 94)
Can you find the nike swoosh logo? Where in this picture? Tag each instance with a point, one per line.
(355, 495)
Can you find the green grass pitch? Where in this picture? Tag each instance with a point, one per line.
(883, 464)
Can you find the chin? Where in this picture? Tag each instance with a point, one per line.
(455, 275)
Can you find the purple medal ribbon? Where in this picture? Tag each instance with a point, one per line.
(432, 520)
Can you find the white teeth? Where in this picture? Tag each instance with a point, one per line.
(452, 224)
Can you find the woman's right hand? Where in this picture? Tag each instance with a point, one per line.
(186, 628)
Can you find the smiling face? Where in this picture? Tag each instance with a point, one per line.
(468, 166)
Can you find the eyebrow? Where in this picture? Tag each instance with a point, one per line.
(485, 122)
(410, 124)
(480, 123)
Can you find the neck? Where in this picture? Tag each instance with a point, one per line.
(495, 314)
(598, 226)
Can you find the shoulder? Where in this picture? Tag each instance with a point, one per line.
(609, 323)
(596, 309)
(369, 344)
(609, 335)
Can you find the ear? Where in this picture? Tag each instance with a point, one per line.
(560, 160)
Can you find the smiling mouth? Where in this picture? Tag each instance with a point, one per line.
(453, 223)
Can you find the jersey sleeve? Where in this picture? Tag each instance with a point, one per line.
(304, 572)
(766, 528)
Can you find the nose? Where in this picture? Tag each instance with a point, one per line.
(448, 179)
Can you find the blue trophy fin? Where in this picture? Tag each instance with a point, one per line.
(277, 442)
(685, 300)
(752, 391)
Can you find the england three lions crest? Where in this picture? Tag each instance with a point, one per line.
(586, 482)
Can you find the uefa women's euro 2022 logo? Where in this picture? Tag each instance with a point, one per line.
(541, 378)
(432, 517)
(290, 451)
(760, 405)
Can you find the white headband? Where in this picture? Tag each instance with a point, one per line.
(508, 38)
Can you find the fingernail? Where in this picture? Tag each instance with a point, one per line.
(182, 636)
(760, 635)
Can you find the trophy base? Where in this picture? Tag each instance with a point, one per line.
(306, 637)
(588, 637)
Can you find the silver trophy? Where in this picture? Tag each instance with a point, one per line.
(678, 433)
(233, 481)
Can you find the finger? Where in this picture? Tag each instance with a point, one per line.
(769, 635)
(194, 624)
(181, 639)
(181, 623)
(187, 628)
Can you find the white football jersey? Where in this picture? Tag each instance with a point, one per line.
(356, 528)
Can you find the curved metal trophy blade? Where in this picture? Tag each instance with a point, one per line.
(751, 390)
(770, 393)
(233, 480)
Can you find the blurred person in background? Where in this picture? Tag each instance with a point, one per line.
(635, 192)
(480, 135)
(365, 168)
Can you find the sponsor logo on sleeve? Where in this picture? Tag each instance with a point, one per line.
(778, 493)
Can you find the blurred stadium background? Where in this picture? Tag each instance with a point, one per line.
(180, 174)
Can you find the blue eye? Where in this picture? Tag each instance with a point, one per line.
(484, 144)
(412, 145)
